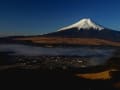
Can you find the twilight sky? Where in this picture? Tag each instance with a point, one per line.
(43, 16)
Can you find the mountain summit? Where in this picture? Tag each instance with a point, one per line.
(85, 23)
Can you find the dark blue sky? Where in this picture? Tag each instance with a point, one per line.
(42, 16)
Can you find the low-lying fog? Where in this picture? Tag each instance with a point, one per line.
(97, 55)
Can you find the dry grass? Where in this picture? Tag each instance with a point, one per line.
(73, 41)
(104, 75)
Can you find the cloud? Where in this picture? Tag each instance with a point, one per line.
(96, 56)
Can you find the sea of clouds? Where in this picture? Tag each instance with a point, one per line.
(96, 55)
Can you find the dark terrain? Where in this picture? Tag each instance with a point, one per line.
(30, 73)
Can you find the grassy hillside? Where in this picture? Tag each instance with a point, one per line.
(69, 41)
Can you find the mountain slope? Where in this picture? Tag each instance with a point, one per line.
(86, 29)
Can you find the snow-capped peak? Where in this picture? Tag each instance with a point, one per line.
(85, 23)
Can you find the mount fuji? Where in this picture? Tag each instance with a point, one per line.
(84, 32)
(86, 28)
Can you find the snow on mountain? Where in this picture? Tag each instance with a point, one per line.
(85, 23)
